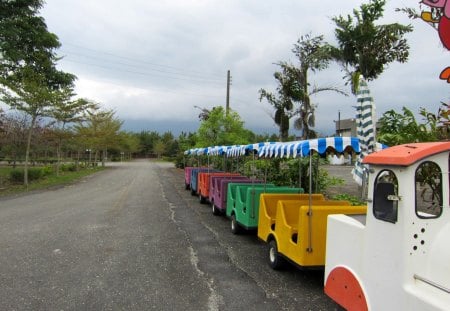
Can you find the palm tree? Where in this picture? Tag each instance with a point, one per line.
(313, 54)
(365, 48)
(282, 103)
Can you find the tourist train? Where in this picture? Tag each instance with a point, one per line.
(391, 254)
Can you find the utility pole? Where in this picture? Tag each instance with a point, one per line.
(227, 107)
(339, 123)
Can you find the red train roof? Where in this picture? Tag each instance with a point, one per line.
(404, 155)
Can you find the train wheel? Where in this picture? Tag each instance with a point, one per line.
(201, 199)
(275, 260)
(215, 210)
(235, 229)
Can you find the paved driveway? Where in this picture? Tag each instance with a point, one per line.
(131, 238)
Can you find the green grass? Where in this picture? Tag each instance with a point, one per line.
(66, 177)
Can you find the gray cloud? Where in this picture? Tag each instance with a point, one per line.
(156, 60)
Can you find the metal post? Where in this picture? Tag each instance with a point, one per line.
(309, 249)
(227, 108)
(339, 124)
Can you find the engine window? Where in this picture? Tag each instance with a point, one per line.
(428, 181)
(385, 198)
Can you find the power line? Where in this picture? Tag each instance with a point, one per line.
(164, 91)
(138, 72)
(142, 68)
(200, 78)
(175, 70)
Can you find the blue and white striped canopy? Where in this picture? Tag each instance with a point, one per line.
(283, 149)
(229, 151)
(304, 147)
(241, 150)
(198, 151)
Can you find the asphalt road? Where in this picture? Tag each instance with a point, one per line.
(131, 238)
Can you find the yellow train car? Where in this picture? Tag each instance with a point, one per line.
(297, 231)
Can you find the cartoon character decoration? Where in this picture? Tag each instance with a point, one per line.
(439, 17)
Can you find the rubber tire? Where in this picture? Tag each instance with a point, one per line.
(276, 261)
(215, 210)
(201, 199)
(235, 228)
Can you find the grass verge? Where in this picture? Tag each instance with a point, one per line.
(64, 178)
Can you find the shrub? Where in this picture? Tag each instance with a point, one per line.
(292, 172)
(347, 197)
(16, 176)
(34, 173)
(69, 167)
(45, 171)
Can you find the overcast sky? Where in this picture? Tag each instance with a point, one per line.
(153, 61)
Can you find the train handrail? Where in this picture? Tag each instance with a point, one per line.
(434, 284)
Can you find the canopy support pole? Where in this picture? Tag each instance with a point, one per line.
(300, 173)
(265, 175)
(309, 249)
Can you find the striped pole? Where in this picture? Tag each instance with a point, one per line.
(365, 127)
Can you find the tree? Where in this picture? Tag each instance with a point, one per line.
(147, 141)
(68, 110)
(204, 113)
(128, 144)
(2, 120)
(222, 129)
(313, 54)
(443, 120)
(24, 38)
(187, 141)
(159, 148)
(165, 145)
(401, 128)
(28, 76)
(99, 131)
(12, 136)
(282, 103)
(171, 144)
(365, 48)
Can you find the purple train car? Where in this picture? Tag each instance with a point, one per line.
(219, 205)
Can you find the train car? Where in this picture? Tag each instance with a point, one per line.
(188, 174)
(397, 257)
(232, 192)
(194, 180)
(219, 204)
(214, 185)
(296, 229)
(245, 212)
(187, 177)
(204, 183)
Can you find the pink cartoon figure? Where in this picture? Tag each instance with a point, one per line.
(439, 17)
